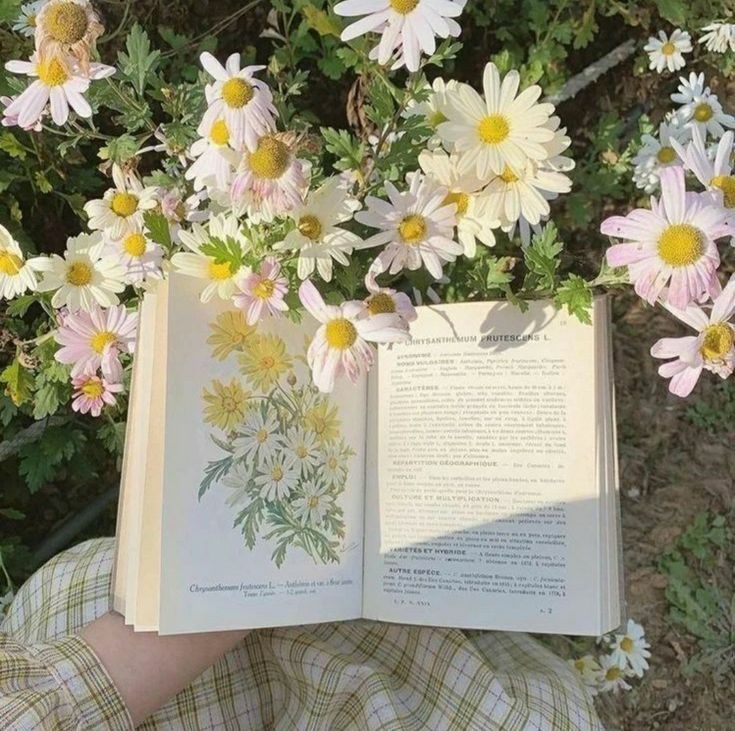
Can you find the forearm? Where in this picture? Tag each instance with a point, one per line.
(147, 669)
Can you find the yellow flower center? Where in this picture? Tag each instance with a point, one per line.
(310, 226)
(668, 49)
(404, 7)
(66, 22)
(613, 673)
(52, 72)
(31, 20)
(219, 134)
(79, 274)
(219, 272)
(579, 665)
(412, 228)
(313, 501)
(237, 92)
(703, 112)
(318, 424)
(681, 245)
(461, 200)
(332, 463)
(261, 435)
(381, 303)
(93, 389)
(437, 118)
(230, 405)
(264, 289)
(302, 452)
(134, 244)
(718, 341)
(666, 155)
(124, 204)
(341, 334)
(508, 176)
(271, 159)
(267, 362)
(277, 473)
(10, 264)
(494, 129)
(626, 644)
(100, 340)
(726, 183)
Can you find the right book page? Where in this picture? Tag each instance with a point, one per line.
(484, 507)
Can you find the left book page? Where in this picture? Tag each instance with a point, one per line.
(263, 476)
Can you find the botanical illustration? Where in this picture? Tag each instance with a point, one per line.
(284, 461)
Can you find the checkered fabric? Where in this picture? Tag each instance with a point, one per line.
(367, 676)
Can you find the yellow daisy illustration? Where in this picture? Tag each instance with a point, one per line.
(230, 333)
(265, 360)
(226, 404)
(323, 419)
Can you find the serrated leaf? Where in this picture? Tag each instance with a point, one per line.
(576, 295)
(139, 62)
(10, 145)
(46, 401)
(19, 382)
(158, 228)
(224, 251)
(320, 21)
(19, 306)
(675, 11)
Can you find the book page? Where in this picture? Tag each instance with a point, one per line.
(263, 495)
(482, 503)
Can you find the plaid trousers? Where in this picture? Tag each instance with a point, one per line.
(362, 675)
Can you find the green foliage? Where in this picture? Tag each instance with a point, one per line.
(715, 413)
(700, 593)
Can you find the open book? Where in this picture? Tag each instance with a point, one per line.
(470, 480)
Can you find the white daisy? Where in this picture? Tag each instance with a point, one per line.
(341, 345)
(503, 129)
(258, 438)
(26, 21)
(416, 227)
(719, 37)
(667, 52)
(83, 277)
(700, 107)
(657, 153)
(317, 236)
(303, 447)
(313, 503)
(715, 175)
(631, 649)
(141, 258)
(612, 675)
(270, 180)
(382, 300)
(433, 109)
(17, 275)
(215, 160)
(279, 475)
(237, 481)
(244, 102)
(474, 222)
(333, 466)
(121, 209)
(408, 27)
(589, 670)
(220, 276)
(60, 81)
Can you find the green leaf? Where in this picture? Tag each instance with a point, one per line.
(320, 21)
(542, 258)
(9, 10)
(10, 144)
(119, 150)
(347, 148)
(139, 62)
(226, 251)
(158, 228)
(576, 295)
(675, 11)
(12, 514)
(19, 382)
(19, 306)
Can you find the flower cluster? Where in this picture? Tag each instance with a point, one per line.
(666, 52)
(672, 250)
(627, 657)
(65, 32)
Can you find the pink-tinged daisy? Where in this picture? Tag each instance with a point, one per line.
(715, 175)
(341, 345)
(712, 349)
(92, 393)
(270, 180)
(59, 81)
(215, 159)
(417, 227)
(671, 245)
(122, 208)
(84, 277)
(502, 130)
(382, 300)
(407, 27)
(262, 292)
(242, 101)
(17, 274)
(96, 340)
(12, 120)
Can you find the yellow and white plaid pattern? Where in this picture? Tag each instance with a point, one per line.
(362, 675)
